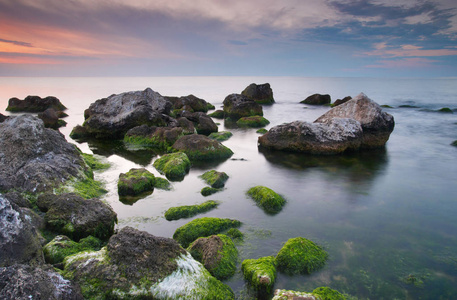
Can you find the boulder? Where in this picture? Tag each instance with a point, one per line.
(260, 93)
(51, 119)
(220, 136)
(317, 99)
(20, 241)
(202, 122)
(3, 118)
(151, 136)
(217, 253)
(76, 217)
(215, 179)
(136, 264)
(61, 246)
(188, 211)
(218, 114)
(190, 103)
(135, 182)
(174, 165)
(333, 137)
(36, 159)
(200, 147)
(267, 199)
(28, 282)
(34, 104)
(341, 101)
(112, 117)
(260, 273)
(376, 124)
(252, 122)
(237, 106)
(207, 191)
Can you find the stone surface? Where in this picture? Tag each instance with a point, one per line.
(154, 137)
(190, 103)
(237, 106)
(135, 182)
(317, 99)
(51, 119)
(200, 147)
(3, 118)
(174, 165)
(34, 104)
(341, 101)
(260, 93)
(202, 122)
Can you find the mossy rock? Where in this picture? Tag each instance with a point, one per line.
(87, 188)
(445, 110)
(386, 106)
(260, 273)
(94, 163)
(202, 227)
(252, 122)
(262, 131)
(187, 211)
(135, 182)
(162, 183)
(201, 148)
(61, 246)
(220, 136)
(288, 294)
(174, 165)
(217, 253)
(153, 137)
(235, 233)
(215, 179)
(218, 114)
(208, 191)
(300, 256)
(267, 199)
(326, 293)
(454, 143)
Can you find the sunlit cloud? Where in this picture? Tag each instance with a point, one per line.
(404, 63)
(383, 50)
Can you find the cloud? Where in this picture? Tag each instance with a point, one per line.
(404, 63)
(384, 50)
(17, 43)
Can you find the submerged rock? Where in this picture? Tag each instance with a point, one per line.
(51, 119)
(174, 165)
(267, 199)
(207, 191)
(34, 104)
(200, 147)
(187, 211)
(260, 273)
(237, 106)
(317, 99)
(260, 93)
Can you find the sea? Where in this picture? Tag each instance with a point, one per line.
(387, 217)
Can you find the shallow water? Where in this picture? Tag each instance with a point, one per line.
(384, 216)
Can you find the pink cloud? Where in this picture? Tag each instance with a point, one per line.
(404, 63)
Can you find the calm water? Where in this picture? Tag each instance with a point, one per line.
(384, 216)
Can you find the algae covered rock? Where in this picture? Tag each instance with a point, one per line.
(217, 253)
(267, 199)
(301, 256)
(202, 122)
(208, 191)
(252, 122)
(215, 179)
(326, 293)
(153, 137)
(174, 165)
(190, 103)
(51, 119)
(135, 182)
(317, 99)
(220, 136)
(202, 227)
(218, 114)
(260, 273)
(200, 147)
(294, 295)
(260, 93)
(237, 106)
(61, 246)
(35, 104)
(187, 211)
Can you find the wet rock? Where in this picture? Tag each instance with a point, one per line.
(267, 199)
(27, 282)
(341, 101)
(260, 273)
(332, 137)
(3, 118)
(220, 136)
(200, 147)
(190, 103)
(237, 106)
(252, 122)
(202, 122)
(317, 99)
(215, 179)
(218, 114)
(151, 136)
(294, 295)
(34, 158)
(376, 124)
(61, 246)
(135, 182)
(34, 104)
(260, 93)
(51, 119)
(187, 211)
(174, 165)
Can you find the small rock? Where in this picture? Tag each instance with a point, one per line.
(260, 93)
(317, 99)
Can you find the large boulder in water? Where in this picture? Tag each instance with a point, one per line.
(260, 93)
(189, 103)
(376, 124)
(237, 106)
(34, 158)
(201, 147)
(317, 99)
(34, 104)
(112, 117)
(332, 137)
(136, 264)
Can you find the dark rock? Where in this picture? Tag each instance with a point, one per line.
(317, 99)
(3, 118)
(50, 119)
(135, 182)
(202, 122)
(187, 125)
(34, 104)
(260, 93)
(27, 282)
(34, 158)
(17, 198)
(190, 102)
(112, 117)
(334, 136)
(218, 114)
(341, 101)
(376, 124)
(152, 136)
(200, 147)
(76, 217)
(237, 106)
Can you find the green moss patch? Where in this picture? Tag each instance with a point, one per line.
(201, 148)
(454, 143)
(218, 114)
(61, 246)
(87, 188)
(235, 233)
(220, 136)
(162, 183)
(326, 293)
(214, 178)
(253, 122)
(208, 191)
(267, 199)
(187, 211)
(445, 110)
(262, 131)
(94, 163)
(260, 273)
(174, 165)
(300, 256)
(202, 227)
(135, 182)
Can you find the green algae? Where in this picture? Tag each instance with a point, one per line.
(202, 227)
(187, 211)
(215, 179)
(135, 182)
(260, 273)
(218, 114)
(208, 191)
(174, 165)
(445, 110)
(162, 183)
(220, 136)
(326, 293)
(87, 188)
(94, 163)
(235, 234)
(262, 131)
(300, 256)
(267, 199)
(252, 122)
(61, 246)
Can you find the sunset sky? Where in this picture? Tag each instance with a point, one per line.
(396, 38)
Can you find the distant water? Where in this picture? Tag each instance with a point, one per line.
(386, 217)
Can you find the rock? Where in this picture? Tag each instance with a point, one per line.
(218, 114)
(376, 124)
(174, 165)
(317, 99)
(27, 282)
(202, 227)
(333, 137)
(341, 101)
(260, 273)
(135, 182)
(217, 253)
(76, 217)
(188, 211)
(262, 131)
(190, 102)
(61, 246)
(19, 240)
(253, 122)
(260, 93)
(36, 159)
(454, 143)
(200, 147)
(17, 199)
(34, 104)
(220, 136)
(3, 118)
(51, 119)
(237, 106)
(112, 117)
(328, 293)
(294, 295)
(202, 122)
(207, 191)
(187, 125)
(300, 256)
(152, 136)
(136, 264)
(445, 110)
(215, 179)
(267, 199)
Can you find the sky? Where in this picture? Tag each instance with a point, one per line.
(317, 38)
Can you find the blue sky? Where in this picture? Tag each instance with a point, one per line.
(376, 38)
